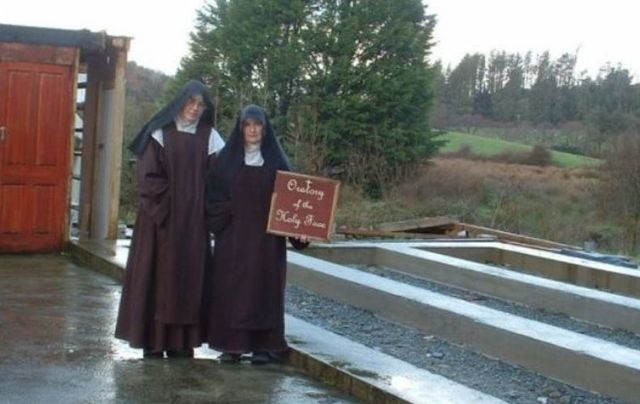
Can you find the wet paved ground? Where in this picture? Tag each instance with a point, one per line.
(57, 346)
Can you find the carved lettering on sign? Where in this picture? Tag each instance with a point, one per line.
(303, 205)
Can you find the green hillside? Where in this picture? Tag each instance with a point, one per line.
(488, 147)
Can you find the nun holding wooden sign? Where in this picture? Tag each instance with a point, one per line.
(249, 265)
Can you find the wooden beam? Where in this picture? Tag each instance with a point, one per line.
(421, 225)
(365, 233)
(107, 163)
(474, 230)
(116, 136)
(89, 143)
(22, 52)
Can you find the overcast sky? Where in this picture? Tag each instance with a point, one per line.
(600, 31)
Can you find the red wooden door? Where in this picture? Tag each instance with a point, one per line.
(36, 110)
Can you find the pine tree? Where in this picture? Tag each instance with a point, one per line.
(345, 81)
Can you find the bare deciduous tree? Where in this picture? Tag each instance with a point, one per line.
(621, 186)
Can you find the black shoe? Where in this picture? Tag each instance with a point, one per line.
(260, 358)
(152, 354)
(228, 357)
(188, 353)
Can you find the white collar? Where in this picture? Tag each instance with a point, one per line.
(253, 155)
(186, 126)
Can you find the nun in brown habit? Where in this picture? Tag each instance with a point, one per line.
(246, 306)
(162, 295)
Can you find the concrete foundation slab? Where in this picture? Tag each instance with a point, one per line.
(353, 368)
(568, 356)
(561, 267)
(56, 328)
(382, 371)
(594, 306)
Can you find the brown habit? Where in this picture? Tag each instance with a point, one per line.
(162, 294)
(249, 269)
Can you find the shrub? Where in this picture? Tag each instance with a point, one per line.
(539, 156)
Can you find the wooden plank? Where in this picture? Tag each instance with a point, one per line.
(474, 230)
(421, 225)
(20, 52)
(365, 233)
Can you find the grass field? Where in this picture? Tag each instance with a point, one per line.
(487, 147)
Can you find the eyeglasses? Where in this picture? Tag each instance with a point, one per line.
(191, 103)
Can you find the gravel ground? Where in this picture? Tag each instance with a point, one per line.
(508, 382)
(620, 337)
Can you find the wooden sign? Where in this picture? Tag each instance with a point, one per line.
(303, 205)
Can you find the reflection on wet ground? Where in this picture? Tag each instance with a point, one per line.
(57, 346)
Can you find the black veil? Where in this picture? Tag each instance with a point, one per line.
(170, 111)
(231, 157)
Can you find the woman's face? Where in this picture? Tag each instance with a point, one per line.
(252, 130)
(193, 108)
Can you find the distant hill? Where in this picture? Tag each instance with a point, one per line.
(144, 96)
(145, 84)
(488, 147)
